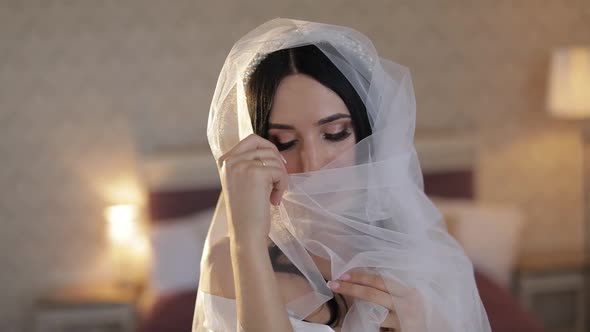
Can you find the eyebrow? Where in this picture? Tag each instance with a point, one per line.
(328, 119)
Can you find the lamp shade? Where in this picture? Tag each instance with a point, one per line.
(569, 83)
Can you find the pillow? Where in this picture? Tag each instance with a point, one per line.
(490, 235)
(177, 246)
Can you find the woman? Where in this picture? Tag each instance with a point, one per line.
(313, 136)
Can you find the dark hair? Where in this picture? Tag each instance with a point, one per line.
(308, 60)
(261, 87)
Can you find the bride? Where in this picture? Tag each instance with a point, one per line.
(323, 224)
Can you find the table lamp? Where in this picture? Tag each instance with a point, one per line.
(127, 242)
(569, 98)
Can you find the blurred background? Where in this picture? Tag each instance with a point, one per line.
(104, 157)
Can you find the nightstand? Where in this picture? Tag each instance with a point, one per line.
(87, 308)
(551, 286)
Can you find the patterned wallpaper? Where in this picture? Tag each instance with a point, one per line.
(84, 85)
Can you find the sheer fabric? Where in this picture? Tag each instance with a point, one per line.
(365, 210)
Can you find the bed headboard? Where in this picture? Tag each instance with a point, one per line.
(448, 165)
(184, 181)
(180, 183)
(450, 184)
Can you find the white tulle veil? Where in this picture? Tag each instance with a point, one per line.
(372, 214)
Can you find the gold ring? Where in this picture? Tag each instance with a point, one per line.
(262, 162)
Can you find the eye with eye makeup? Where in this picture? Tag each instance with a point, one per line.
(281, 141)
(332, 137)
(283, 146)
(339, 136)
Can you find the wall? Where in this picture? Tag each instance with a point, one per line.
(84, 85)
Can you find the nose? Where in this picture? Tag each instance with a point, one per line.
(311, 159)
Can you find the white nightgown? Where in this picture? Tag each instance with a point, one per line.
(216, 311)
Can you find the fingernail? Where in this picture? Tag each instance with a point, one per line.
(284, 160)
(345, 276)
(333, 284)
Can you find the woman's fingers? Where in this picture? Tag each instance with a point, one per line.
(369, 294)
(263, 154)
(264, 157)
(383, 291)
(268, 160)
(278, 176)
(375, 289)
(392, 286)
(373, 280)
(252, 142)
(362, 292)
(269, 171)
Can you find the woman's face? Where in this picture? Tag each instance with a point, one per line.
(309, 124)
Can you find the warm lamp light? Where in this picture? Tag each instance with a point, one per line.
(122, 221)
(130, 249)
(569, 83)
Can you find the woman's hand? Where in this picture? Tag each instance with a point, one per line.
(372, 288)
(253, 176)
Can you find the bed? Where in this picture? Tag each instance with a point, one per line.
(183, 189)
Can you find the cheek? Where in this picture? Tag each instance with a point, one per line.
(343, 154)
(293, 161)
(347, 157)
(293, 166)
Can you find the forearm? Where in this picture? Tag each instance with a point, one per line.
(259, 304)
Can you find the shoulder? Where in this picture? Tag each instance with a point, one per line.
(217, 268)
